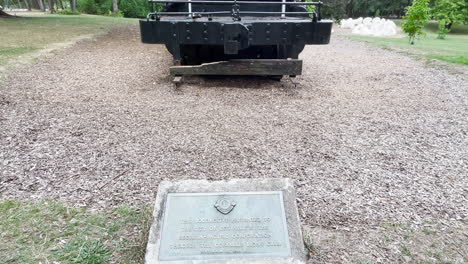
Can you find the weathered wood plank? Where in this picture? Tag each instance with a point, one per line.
(263, 67)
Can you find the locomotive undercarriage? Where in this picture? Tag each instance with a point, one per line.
(198, 37)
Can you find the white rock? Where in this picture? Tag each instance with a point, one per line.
(370, 26)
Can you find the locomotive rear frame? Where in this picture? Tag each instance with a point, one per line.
(236, 32)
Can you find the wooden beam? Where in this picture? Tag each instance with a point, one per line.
(263, 67)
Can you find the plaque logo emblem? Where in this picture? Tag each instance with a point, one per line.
(225, 205)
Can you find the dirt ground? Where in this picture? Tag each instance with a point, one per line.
(376, 141)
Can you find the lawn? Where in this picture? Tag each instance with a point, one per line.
(453, 49)
(30, 33)
(50, 232)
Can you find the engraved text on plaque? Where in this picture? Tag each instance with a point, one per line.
(224, 225)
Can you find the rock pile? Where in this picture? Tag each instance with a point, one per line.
(370, 26)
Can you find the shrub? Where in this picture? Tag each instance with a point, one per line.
(134, 8)
(443, 29)
(95, 7)
(377, 13)
(127, 8)
(118, 14)
(67, 12)
(87, 6)
(335, 9)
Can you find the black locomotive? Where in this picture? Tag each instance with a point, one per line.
(256, 37)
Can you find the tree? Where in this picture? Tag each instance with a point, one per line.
(334, 9)
(28, 5)
(449, 13)
(51, 6)
(60, 4)
(417, 16)
(73, 5)
(41, 5)
(385, 8)
(115, 7)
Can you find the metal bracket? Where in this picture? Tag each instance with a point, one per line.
(235, 12)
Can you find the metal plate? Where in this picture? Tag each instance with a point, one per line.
(200, 226)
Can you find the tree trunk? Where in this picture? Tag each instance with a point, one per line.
(115, 7)
(51, 6)
(73, 5)
(350, 8)
(41, 5)
(34, 4)
(28, 5)
(449, 26)
(60, 4)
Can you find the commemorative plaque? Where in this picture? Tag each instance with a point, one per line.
(248, 225)
(214, 225)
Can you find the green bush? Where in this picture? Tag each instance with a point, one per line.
(134, 8)
(443, 30)
(95, 7)
(127, 8)
(118, 14)
(87, 6)
(335, 9)
(67, 12)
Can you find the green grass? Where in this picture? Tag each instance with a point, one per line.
(49, 232)
(20, 36)
(453, 49)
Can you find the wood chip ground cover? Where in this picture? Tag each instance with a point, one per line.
(372, 138)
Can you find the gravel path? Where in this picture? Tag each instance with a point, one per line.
(370, 136)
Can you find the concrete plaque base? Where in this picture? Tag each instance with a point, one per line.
(251, 221)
